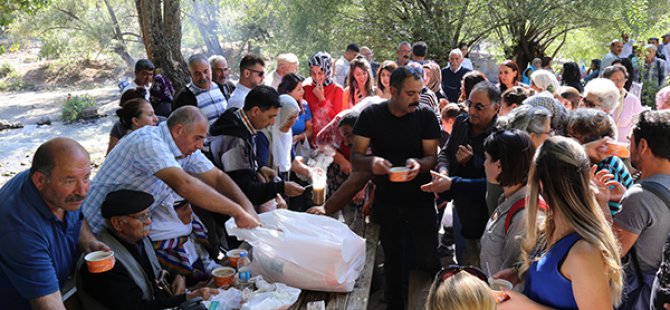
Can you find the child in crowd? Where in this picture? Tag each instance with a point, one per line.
(590, 125)
(460, 288)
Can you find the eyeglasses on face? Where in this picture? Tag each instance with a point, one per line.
(142, 218)
(477, 106)
(589, 103)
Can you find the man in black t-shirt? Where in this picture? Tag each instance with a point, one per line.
(400, 132)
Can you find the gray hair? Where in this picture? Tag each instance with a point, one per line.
(650, 47)
(545, 80)
(214, 59)
(403, 43)
(196, 58)
(287, 58)
(605, 90)
(456, 51)
(527, 118)
(186, 116)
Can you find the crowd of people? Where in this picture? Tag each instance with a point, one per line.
(559, 187)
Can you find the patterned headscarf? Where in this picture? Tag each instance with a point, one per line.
(325, 62)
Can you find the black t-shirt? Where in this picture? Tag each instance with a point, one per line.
(398, 139)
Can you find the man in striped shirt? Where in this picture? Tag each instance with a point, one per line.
(201, 92)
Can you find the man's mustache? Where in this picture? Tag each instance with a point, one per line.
(74, 198)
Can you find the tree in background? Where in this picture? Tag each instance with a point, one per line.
(530, 28)
(10, 8)
(160, 24)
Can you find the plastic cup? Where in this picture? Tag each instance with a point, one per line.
(99, 261)
(223, 276)
(618, 149)
(398, 174)
(234, 257)
(500, 284)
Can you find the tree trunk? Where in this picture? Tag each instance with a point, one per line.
(160, 23)
(120, 47)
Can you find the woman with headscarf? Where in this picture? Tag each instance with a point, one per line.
(275, 142)
(323, 95)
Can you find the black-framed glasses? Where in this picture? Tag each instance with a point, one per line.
(451, 270)
(478, 106)
(260, 73)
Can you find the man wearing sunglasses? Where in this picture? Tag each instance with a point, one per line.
(401, 133)
(252, 74)
(462, 159)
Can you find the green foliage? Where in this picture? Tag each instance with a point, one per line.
(74, 106)
(5, 70)
(76, 29)
(9, 9)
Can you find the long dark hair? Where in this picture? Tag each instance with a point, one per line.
(571, 74)
(289, 82)
(130, 109)
(512, 65)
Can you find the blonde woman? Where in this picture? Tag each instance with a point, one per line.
(460, 288)
(571, 261)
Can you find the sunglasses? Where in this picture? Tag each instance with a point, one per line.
(259, 72)
(477, 106)
(446, 273)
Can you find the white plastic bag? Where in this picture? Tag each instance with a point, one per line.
(447, 216)
(305, 251)
(271, 296)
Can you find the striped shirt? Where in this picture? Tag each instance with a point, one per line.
(211, 102)
(616, 167)
(133, 164)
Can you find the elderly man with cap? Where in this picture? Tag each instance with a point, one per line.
(41, 226)
(136, 281)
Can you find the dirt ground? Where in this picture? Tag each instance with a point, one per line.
(48, 90)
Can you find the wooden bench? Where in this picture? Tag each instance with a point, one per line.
(358, 298)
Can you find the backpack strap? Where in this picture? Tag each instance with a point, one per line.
(657, 189)
(518, 206)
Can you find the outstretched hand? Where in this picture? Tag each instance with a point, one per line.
(440, 183)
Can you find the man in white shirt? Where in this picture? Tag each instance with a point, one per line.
(144, 75)
(286, 63)
(252, 73)
(342, 64)
(627, 45)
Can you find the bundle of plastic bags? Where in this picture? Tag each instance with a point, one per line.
(304, 250)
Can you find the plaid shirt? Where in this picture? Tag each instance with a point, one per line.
(133, 164)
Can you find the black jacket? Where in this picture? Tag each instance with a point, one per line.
(233, 151)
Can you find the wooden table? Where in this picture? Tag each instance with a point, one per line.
(359, 297)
